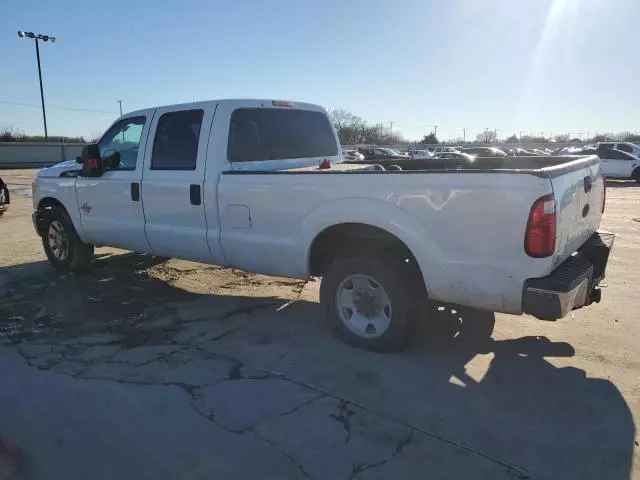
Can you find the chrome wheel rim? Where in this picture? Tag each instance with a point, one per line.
(363, 306)
(58, 240)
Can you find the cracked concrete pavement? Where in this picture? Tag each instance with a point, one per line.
(144, 368)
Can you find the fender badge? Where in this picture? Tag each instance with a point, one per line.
(86, 208)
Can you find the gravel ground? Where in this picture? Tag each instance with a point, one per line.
(144, 368)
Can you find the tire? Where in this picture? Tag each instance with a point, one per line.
(364, 276)
(64, 249)
(636, 175)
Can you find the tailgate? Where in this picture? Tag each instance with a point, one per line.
(578, 188)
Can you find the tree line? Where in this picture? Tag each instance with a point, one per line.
(353, 130)
(9, 135)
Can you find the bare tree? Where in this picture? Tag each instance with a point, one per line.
(487, 136)
(353, 130)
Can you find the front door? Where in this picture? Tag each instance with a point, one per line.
(110, 211)
(173, 181)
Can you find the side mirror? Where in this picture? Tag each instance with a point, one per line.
(91, 162)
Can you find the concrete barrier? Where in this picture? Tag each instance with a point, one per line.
(36, 154)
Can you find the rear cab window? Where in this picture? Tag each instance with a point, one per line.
(260, 134)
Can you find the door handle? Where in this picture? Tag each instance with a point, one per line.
(194, 194)
(587, 184)
(135, 192)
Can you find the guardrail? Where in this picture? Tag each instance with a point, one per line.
(36, 154)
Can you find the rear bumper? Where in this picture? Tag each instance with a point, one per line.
(573, 284)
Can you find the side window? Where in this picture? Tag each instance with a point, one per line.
(625, 148)
(175, 146)
(119, 146)
(380, 153)
(279, 134)
(613, 155)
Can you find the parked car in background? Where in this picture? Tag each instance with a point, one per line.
(352, 155)
(438, 150)
(379, 153)
(537, 151)
(456, 156)
(420, 154)
(5, 200)
(619, 164)
(572, 151)
(393, 151)
(521, 152)
(627, 147)
(484, 151)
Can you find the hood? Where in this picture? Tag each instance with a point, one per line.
(57, 169)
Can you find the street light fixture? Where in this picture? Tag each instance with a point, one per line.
(44, 38)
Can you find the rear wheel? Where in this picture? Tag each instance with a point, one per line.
(636, 175)
(369, 302)
(61, 243)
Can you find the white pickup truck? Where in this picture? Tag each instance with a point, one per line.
(260, 185)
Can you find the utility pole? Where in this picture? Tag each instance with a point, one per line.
(120, 102)
(435, 131)
(495, 135)
(464, 135)
(44, 38)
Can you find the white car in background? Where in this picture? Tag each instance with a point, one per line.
(619, 164)
(439, 150)
(627, 147)
(352, 155)
(420, 154)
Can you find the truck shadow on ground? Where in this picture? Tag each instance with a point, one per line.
(520, 409)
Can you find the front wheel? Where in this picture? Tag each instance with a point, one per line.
(61, 243)
(636, 175)
(368, 303)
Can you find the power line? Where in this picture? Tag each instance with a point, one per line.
(20, 104)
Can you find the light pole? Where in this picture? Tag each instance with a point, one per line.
(120, 103)
(44, 38)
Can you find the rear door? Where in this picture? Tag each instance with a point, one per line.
(616, 164)
(172, 184)
(263, 138)
(578, 189)
(110, 208)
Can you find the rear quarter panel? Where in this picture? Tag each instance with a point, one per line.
(466, 230)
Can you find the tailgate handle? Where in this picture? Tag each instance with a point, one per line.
(587, 184)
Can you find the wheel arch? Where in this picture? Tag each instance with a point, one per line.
(373, 221)
(47, 203)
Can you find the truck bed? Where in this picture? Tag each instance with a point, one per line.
(540, 166)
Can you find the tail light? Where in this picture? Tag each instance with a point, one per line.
(540, 237)
(604, 192)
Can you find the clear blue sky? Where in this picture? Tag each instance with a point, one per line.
(511, 65)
